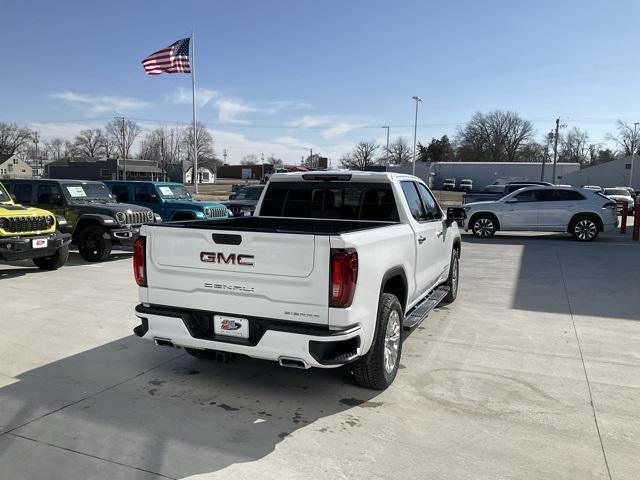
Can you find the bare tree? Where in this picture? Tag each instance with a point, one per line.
(54, 148)
(312, 162)
(399, 152)
(275, 161)
(204, 140)
(13, 138)
(123, 133)
(574, 147)
(497, 136)
(362, 156)
(248, 160)
(89, 143)
(626, 136)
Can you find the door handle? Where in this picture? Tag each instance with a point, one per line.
(439, 234)
(421, 239)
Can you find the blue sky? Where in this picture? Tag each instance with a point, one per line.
(277, 77)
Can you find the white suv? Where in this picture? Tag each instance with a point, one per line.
(581, 212)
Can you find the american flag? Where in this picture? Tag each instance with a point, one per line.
(173, 59)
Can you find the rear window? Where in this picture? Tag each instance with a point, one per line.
(337, 200)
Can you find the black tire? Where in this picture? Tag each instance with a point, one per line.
(53, 262)
(202, 354)
(584, 228)
(454, 275)
(484, 226)
(94, 244)
(372, 370)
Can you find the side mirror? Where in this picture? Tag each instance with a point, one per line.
(56, 200)
(14, 198)
(153, 198)
(455, 214)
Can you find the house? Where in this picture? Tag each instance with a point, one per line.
(205, 175)
(12, 166)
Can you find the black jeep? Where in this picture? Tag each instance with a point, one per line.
(95, 219)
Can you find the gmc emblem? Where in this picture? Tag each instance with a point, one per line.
(230, 259)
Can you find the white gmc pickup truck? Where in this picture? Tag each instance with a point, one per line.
(327, 272)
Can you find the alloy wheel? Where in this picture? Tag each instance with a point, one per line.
(392, 342)
(585, 229)
(483, 227)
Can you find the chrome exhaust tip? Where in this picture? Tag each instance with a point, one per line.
(164, 342)
(291, 362)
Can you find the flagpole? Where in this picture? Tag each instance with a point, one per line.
(194, 175)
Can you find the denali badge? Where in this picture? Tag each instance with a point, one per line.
(231, 259)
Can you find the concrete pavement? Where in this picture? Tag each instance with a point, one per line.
(534, 372)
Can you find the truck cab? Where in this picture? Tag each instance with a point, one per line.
(171, 200)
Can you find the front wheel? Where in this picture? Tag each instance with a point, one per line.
(378, 368)
(94, 244)
(484, 226)
(53, 262)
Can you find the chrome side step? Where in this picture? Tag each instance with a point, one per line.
(421, 311)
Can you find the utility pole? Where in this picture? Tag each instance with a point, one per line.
(633, 152)
(546, 154)
(386, 156)
(35, 141)
(262, 164)
(224, 155)
(415, 133)
(555, 150)
(122, 150)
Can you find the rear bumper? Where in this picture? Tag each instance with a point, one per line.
(21, 247)
(269, 339)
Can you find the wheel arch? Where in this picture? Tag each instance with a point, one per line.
(578, 216)
(183, 215)
(395, 281)
(84, 222)
(484, 214)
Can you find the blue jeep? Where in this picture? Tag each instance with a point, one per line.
(172, 201)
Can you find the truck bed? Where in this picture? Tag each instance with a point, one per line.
(280, 225)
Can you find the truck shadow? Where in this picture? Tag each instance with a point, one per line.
(161, 411)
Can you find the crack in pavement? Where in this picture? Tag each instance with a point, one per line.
(584, 367)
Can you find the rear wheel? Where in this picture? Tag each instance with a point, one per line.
(484, 226)
(378, 368)
(94, 244)
(53, 262)
(584, 229)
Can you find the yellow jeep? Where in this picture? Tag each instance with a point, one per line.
(30, 233)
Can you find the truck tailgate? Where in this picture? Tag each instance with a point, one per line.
(263, 274)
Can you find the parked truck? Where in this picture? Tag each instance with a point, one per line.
(170, 200)
(95, 220)
(328, 272)
(28, 233)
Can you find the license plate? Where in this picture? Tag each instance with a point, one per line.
(39, 243)
(231, 326)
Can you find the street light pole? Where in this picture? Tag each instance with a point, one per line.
(386, 156)
(633, 151)
(555, 151)
(415, 133)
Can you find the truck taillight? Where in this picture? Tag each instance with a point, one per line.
(139, 261)
(344, 275)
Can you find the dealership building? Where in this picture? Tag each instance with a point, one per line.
(486, 173)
